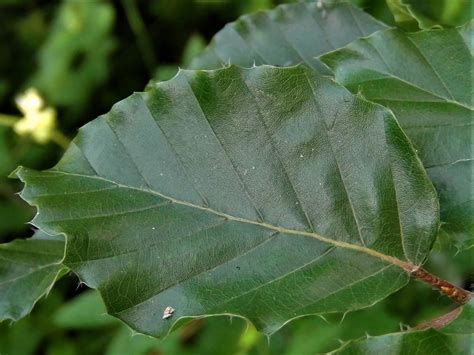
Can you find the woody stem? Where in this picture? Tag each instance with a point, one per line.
(457, 294)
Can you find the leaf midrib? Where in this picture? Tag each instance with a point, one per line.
(405, 265)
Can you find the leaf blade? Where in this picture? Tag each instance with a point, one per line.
(408, 343)
(280, 36)
(462, 324)
(220, 218)
(453, 338)
(425, 85)
(28, 270)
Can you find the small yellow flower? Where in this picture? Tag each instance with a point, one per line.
(38, 121)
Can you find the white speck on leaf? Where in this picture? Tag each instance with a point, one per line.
(168, 313)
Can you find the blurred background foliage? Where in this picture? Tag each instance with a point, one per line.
(85, 55)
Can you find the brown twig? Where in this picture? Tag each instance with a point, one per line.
(457, 294)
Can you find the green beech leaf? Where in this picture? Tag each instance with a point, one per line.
(408, 16)
(425, 78)
(268, 193)
(84, 311)
(287, 35)
(421, 342)
(455, 338)
(28, 270)
(124, 342)
(463, 323)
(414, 14)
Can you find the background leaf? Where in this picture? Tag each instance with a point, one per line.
(409, 17)
(412, 14)
(421, 342)
(455, 338)
(287, 35)
(426, 79)
(219, 191)
(463, 323)
(85, 311)
(28, 270)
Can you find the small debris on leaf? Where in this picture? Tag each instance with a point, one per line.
(168, 313)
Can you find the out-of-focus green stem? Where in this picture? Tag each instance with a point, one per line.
(60, 139)
(8, 120)
(138, 27)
